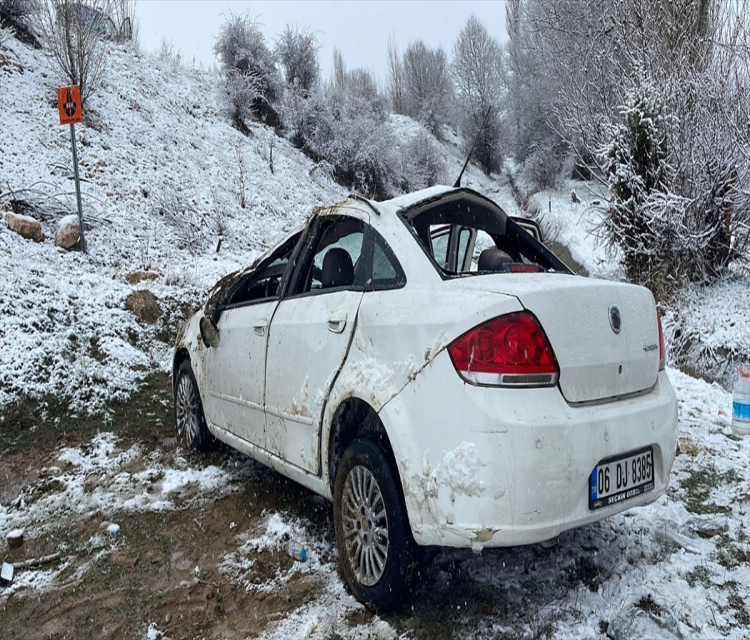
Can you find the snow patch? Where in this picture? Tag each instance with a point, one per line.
(458, 472)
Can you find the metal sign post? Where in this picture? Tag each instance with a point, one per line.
(78, 186)
(69, 105)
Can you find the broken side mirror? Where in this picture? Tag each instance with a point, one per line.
(209, 332)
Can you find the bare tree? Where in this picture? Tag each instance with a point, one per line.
(73, 35)
(297, 51)
(339, 70)
(477, 71)
(395, 86)
(428, 91)
(594, 56)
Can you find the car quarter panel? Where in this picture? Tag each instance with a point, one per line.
(483, 466)
(399, 333)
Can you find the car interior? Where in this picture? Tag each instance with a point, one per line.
(466, 234)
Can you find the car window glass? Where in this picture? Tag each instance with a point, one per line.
(440, 235)
(264, 282)
(382, 267)
(386, 271)
(341, 238)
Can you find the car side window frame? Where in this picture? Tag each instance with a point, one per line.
(258, 271)
(303, 262)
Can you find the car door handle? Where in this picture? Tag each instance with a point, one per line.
(260, 327)
(337, 323)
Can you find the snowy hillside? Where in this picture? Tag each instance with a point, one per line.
(162, 180)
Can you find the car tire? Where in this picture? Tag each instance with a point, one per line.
(377, 553)
(190, 422)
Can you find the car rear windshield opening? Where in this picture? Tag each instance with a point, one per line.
(466, 234)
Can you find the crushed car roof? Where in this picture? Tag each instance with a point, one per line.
(407, 200)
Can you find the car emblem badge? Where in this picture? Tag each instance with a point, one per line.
(615, 319)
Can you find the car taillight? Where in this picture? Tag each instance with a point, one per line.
(511, 350)
(662, 350)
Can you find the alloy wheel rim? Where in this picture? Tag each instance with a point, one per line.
(365, 524)
(187, 410)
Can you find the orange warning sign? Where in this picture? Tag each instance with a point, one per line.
(69, 104)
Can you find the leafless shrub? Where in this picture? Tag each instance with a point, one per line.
(169, 55)
(244, 91)
(322, 169)
(46, 202)
(542, 168)
(191, 227)
(72, 34)
(422, 163)
(252, 80)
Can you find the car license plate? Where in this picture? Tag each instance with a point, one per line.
(621, 478)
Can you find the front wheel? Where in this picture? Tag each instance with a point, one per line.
(376, 550)
(190, 423)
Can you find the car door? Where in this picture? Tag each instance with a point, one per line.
(309, 338)
(235, 376)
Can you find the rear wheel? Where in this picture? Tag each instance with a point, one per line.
(376, 550)
(190, 423)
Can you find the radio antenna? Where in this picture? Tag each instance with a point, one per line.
(484, 122)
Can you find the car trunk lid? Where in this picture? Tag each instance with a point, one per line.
(580, 317)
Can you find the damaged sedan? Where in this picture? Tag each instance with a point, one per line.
(432, 368)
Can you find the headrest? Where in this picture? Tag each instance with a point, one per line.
(493, 259)
(338, 270)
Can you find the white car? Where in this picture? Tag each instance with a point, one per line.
(434, 370)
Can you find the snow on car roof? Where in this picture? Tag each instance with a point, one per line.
(410, 199)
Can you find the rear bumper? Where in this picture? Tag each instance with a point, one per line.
(505, 467)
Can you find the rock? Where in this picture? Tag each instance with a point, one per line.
(68, 233)
(134, 277)
(11, 491)
(15, 538)
(144, 305)
(24, 226)
(64, 464)
(91, 482)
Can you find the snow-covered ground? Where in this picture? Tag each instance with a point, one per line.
(675, 569)
(162, 172)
